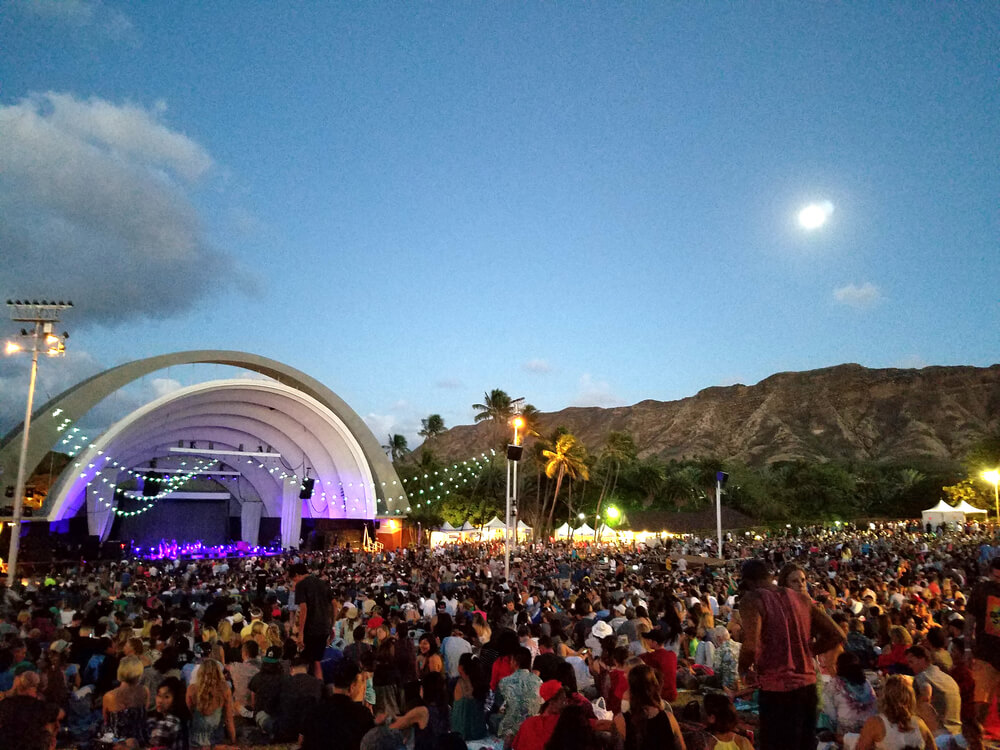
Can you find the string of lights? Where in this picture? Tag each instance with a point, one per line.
(460, 472)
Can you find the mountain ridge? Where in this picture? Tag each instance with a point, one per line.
(840, 413)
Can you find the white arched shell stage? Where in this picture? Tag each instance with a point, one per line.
(225, 423)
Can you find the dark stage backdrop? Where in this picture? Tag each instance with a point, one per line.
(183, 520)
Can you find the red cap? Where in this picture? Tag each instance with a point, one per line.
(375, 622)
(549, 690)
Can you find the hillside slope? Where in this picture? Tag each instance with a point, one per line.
(836, 413)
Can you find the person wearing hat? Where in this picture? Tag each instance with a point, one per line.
(782, 631)
(598, 633)
(535, 731)
(265, 690)
(984, 608)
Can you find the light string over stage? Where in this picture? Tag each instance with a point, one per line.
(460, 472)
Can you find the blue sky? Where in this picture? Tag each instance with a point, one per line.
(587, 204)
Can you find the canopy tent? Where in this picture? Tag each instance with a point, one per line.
(496, 523)
(942, 513)
(468, 528)
(970, 510)
(522, 526)
(447, 527)
(564, 532)
(606, 532)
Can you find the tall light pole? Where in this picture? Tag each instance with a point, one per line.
(720, 479)
(44, 315)
(514, 451)
(993, 475)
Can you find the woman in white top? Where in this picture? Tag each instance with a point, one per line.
(896, 726)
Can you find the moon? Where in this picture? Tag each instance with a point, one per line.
(815, 215)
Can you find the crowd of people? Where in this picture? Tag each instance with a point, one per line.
(856, 637)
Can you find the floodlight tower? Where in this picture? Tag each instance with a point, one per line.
(43, 315)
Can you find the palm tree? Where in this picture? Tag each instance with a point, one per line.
(650, 478)
(432, 426)
(530, 415)
(620, 448)
(497, 409)
(396, 448)
(496, 406)
(568, 457)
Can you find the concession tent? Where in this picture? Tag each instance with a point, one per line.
(494, 529)
(942, 513)
(970, 510)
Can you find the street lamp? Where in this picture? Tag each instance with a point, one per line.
(44, 315)
(514, 452)
(993, 475)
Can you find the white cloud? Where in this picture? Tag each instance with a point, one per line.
(537, 366)
(163, 386)
(401, 418)
(859, 296)
(591, 392)
(81, 16)
(54, 376)
(103, 194)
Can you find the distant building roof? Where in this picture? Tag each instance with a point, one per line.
(685, 523)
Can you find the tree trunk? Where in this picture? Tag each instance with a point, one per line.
(555, 496)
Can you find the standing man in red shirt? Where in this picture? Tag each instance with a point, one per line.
(663, 661)
(782, 630)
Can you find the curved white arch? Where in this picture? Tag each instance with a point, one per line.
(230, 412)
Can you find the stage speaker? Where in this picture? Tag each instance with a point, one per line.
(149, 486)
(307, 488)
(514, 452)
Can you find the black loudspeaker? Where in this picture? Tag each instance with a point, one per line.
(514, 452)
(721, 477)
(307, 488)
(149, 485)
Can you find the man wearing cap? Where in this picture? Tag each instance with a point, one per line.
(782, 630)
(619, 617)
(265, 690)
(984, 607)
(312, 596)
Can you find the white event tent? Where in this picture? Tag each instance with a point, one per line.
(970, 510)
(943, 513)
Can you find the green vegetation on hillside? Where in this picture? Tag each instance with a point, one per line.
(559, 479)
